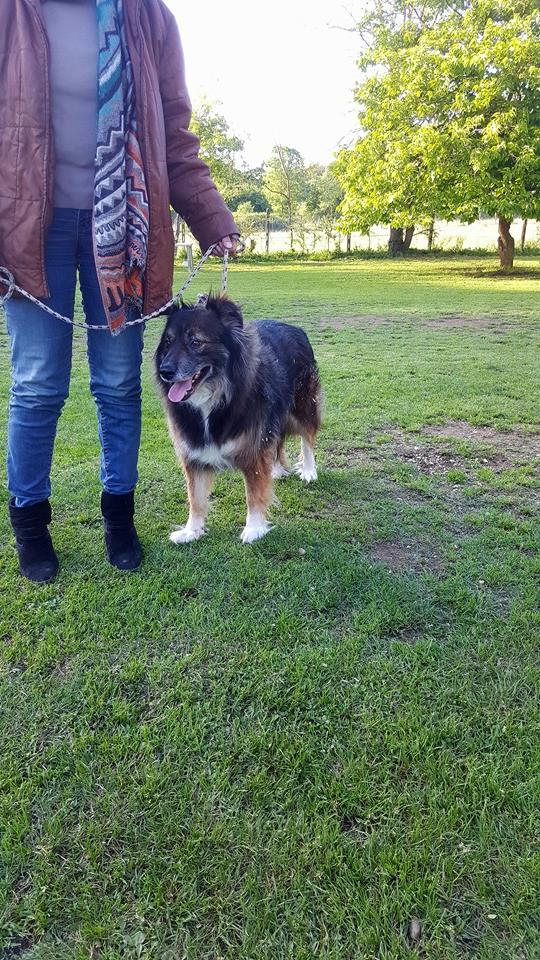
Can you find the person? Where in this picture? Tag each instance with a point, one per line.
(94, 148)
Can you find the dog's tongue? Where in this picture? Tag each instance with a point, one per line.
(179, 390)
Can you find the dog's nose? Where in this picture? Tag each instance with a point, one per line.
(167, 372)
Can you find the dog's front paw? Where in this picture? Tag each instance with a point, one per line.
(254, 531)
(306, 473)
(187, 534)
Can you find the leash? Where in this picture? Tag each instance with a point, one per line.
(7, 278)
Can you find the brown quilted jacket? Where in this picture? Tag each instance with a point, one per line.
(175, 174)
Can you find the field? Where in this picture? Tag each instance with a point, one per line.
(325, 745)
(449, 235)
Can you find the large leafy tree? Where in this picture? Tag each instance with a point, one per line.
(285, 184)
(450, 118)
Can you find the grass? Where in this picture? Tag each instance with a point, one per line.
(324, 745)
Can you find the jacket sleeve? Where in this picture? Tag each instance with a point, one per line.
(193, 193)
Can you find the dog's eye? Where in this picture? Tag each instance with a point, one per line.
(168, 340)
(195, 343)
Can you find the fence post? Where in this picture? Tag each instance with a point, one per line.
(268, 231)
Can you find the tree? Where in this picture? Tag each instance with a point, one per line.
(285, 184)
(450, 117)
(381, 185)
(250, 190)
(220, 149)
(324, 195)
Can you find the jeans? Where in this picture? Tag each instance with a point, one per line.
(41, 348)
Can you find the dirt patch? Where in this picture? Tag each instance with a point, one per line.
(407, 556)
(456, 321)
(455, 446)
(365, 321)
(447, 321)
(341, 457)
(515, 446)
(461, 460)
(430, 459)
(63, 670)
(16, 949)
(407, 496)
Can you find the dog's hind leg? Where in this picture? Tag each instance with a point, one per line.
(306, 467)
(258, 479)
(281, 467)
(306, 418)
(199, 484)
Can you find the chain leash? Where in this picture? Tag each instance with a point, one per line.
(7, 278)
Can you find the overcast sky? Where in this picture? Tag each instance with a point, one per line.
(280, 69)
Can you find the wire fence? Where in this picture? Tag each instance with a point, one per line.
(265, 233)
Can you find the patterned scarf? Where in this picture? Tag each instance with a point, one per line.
(120, 198)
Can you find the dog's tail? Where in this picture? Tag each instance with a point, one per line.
(308, 401)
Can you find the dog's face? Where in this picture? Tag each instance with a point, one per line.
(195, 349)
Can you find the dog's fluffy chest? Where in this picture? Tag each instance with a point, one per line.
(200, 437)
(201, 447)
(219, 457)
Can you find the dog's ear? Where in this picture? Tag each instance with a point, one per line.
(227, 311)
(175, 307)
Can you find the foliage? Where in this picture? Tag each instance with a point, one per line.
(285, 183)
(220, 149)
(324, 196)
(250, 190)
(449, 116)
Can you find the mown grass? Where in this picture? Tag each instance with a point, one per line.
(323, 745)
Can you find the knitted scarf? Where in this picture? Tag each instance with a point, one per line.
(120, 198)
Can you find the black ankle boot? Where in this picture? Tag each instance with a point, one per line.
(121, 541)
(37, 560)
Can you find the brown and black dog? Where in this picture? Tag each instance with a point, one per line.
(232, 394)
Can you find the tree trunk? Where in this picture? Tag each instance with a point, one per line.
(395, 241)
(431, 235)
(409, 234)
(348, 243)
(399, 241)
(506, 244)
(524, 226)
(291, 231)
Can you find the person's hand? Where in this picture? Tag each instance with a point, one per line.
(230, 243)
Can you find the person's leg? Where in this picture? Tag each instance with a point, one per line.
(41, 365)
(115, 382)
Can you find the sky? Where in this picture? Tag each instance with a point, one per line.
(281, 70)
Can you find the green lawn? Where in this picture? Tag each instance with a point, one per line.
(325, 745)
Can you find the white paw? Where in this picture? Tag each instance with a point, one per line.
(187, 534)
(255, 531)
(308, 474)
(279, 471)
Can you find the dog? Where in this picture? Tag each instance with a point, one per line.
(232, 393)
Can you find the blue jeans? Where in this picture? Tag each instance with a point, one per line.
(41, 348)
